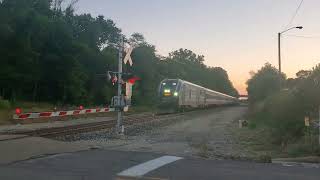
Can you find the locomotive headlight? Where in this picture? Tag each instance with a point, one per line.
(167, 90)
(175, 94)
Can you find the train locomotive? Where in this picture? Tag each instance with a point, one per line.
(178, 94)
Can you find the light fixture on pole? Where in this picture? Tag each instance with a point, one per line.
(279, 47)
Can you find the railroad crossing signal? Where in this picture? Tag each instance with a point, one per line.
(112, 76)
(119, 100)
(127, 58)
(133, 80)
(130, 78)
(18, 111)
(109, 75)
(114, 80)
(307, 121)
(128, 90)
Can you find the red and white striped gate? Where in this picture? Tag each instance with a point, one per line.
(35, 115)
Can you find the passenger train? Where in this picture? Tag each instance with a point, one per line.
(183, 94)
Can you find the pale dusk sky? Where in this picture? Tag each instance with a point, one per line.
(237, 35)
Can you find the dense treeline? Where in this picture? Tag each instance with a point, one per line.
(283, 107)
(51, 54)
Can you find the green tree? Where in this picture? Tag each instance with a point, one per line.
(308, 88)
(264, 83)
(49, 53)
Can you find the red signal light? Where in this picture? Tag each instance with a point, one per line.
(18, 111)
(114, 80)
(133, 80)
(80, 107)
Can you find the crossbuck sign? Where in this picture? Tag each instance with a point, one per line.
(127, 58)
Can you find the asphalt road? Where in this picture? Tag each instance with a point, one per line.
(104, 164)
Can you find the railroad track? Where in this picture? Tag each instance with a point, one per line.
(96, 126)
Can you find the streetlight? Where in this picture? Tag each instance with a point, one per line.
(279, 47)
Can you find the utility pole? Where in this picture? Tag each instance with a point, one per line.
(279, 58)
(319, 125)
(119, 128)
(279, 50)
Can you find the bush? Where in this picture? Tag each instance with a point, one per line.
(252, 125)
(287, 117)
(265, 158)
(4, 104)
(283, 115)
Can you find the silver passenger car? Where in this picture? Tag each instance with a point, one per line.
(186, 94)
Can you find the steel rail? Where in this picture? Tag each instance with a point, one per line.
(95, 126)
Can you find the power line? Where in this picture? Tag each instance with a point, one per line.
(295, 14)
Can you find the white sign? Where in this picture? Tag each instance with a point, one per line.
(127, 58)
(128, 90)
(307, 121)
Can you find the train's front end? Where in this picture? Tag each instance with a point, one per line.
(169, 94)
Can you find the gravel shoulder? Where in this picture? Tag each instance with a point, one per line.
(204, 133)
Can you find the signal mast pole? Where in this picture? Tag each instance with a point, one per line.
(119, 128)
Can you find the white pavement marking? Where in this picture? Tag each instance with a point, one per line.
(144, 168)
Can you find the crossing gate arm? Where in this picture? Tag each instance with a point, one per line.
(36, 115)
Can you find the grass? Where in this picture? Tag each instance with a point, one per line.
(34, 107)
(203, 150)
(139, 109)
(257, 140)
(7, 112)
(306, 159)
(309, 147)
(4, 104)
(5, 116)
(202, 147)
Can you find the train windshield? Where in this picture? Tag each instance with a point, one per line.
(169, 88)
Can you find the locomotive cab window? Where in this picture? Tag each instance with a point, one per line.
(169, 88)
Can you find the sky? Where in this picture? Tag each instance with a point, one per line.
(237, 35)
